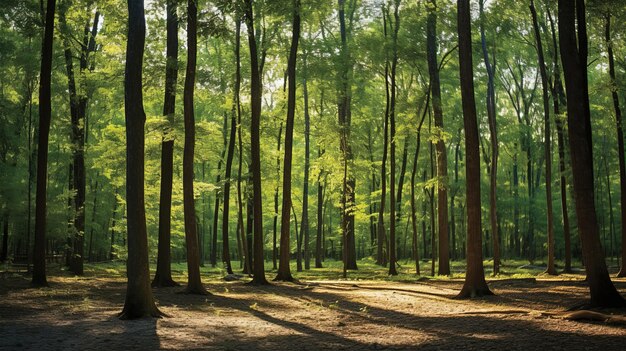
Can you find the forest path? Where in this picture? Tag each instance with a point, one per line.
(79, 313)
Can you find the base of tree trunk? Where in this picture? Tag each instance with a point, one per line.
(470, 292)
(282, 277)
(39, 283)
(195, 290)
(259, 281)
(163, 282)
(551, 271)
(140, 311)
(318, 265)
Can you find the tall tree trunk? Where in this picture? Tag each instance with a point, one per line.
(392, 140)
(194, 282)
(305, 190)
(574, 46)
(139, 300)
(345, 116)
(45, 114)
(413, 174)
(163, 275)
(620, 139)
(547, 134)
(320, 218)
(114, 212)
(442, 163)
(276, 197)
(381, 257)
(284, 272)
(475, 284)
(230, 154)
(93, 219)
(558, 98)
(255, 151)
(493, 137)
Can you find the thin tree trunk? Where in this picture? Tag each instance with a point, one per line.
(547, 134)
(45, 114)
(475, 284)
(230, 155)
(442, 163)
(392, 140)
(194, 282)
(493, 137)
(381, 257)
(5, 238)
(345, 116)
(558, 98)
(163, 275)
(413, 173)
(276, 196)
(305, 190)
(255, 151)
(139, 299)
(620, 140)
(284, 271)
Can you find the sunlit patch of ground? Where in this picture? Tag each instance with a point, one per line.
(78, 313)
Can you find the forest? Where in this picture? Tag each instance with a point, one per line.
(335, 174)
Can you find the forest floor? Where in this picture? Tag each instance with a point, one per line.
(80, 313)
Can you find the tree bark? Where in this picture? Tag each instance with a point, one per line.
(230, 155)
(345, 116)
(139, 300)
(574, 48)
(547, 135)
(392, 136)
(558, 98)
(284, 271)
(475, 284)
(381, 257)
(620, 139)
(194, 282)
(442, 163)
(163, 275)
(305, 190)
(255, 151)
(45, 113)
(493, 137)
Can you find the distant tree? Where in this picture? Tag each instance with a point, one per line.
(493, 138)
(475, 284)
(163, 275)
(139, 300)
(547, 135)
(574, 49)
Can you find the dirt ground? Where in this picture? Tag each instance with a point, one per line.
(80, 313)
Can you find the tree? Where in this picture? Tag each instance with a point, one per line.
(45, 114)
(307, 164)
(345, 115)
(548, 153)
(139, 300)
(284, 272)
(381, 257)
(392, 137)
(163, 275)
(620, 137)
(194, 283)
(493, 138)
(258, 264)
(558, 99)
(78, 110)
(442, 161)
(574, 48)
(475, 284)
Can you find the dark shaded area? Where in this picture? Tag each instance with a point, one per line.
(26, 324)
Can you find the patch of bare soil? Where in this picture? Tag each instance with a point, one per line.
(80, 313)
